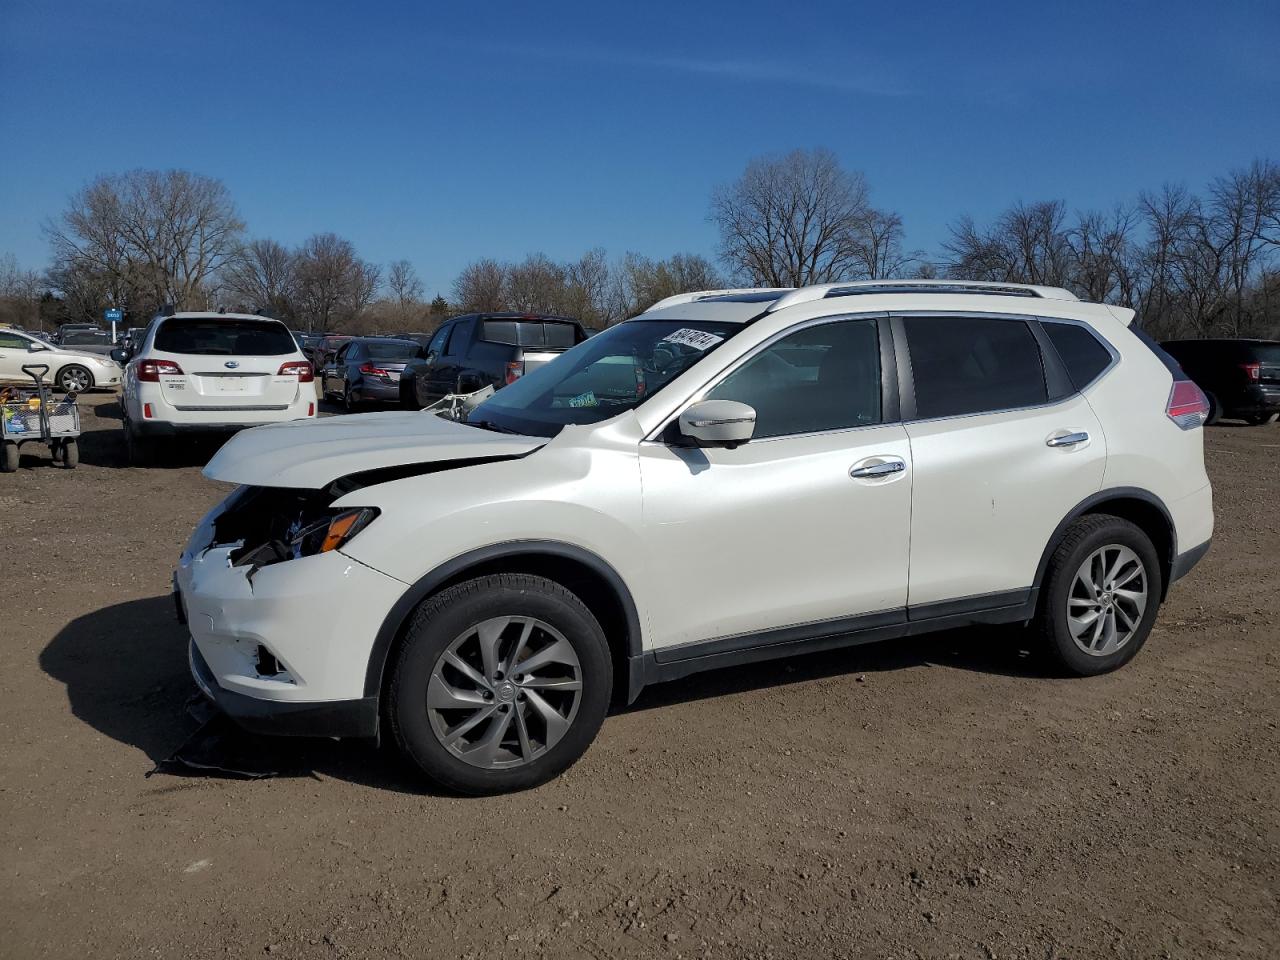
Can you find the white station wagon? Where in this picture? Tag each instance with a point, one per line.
(731, 476)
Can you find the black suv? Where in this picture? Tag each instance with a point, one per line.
(471, 352)
(1241, 378)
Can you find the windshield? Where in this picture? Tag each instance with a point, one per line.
(252, 338)
(614, 371)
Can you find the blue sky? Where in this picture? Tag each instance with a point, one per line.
(446, 132)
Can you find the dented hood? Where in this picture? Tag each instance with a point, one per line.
(311, 454)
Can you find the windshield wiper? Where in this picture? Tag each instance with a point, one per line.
(490, 425)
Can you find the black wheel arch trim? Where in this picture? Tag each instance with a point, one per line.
(1088, 504)
(399, 614)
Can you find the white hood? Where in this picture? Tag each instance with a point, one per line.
(311, 454)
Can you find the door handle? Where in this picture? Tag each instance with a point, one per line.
(1067, 440)
(883, 469)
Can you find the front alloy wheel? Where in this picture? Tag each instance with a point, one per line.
(74, 379)
(504, 692)
(500, 683)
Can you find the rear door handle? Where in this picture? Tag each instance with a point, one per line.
(885, 468)
(1067, 440)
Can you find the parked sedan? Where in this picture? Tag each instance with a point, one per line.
(70, 369)
(368, 369)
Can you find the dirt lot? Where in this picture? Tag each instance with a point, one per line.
(927, 798)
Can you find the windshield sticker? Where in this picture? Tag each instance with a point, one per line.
(693, 338)
(587, 399)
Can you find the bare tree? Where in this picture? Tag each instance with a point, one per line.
(403, 283)
(1028, 243)
(262, 276)
(877, 247)
(333, 285)
(151, 236)
(792, 220)
(480, 286)
(642, 281)
(21, 292)
(535, 284)
(1105, 266)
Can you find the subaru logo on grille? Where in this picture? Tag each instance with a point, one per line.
(232, 364)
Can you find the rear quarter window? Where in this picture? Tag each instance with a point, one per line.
(218, 337)
(1080, 351)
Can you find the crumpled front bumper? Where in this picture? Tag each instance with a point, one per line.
(285, 650)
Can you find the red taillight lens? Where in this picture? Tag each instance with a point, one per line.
(370, 369)
(311, 409)
(297, 368)
(150, 371)
(515, 370)
(1253, 371)
(146, 411)
(1188, 407)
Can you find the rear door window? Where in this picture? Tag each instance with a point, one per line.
(967, 365)
(1081, 353)
(219, 337)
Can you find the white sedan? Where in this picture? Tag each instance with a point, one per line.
(69, 369)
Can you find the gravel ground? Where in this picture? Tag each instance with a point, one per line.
(934, 797)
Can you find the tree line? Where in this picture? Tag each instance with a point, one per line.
(1191, 264)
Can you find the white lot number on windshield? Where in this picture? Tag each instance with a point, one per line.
(693, 338)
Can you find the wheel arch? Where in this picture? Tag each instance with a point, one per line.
(1141, 508)
(595, 582)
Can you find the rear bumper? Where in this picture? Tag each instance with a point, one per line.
(371, 389)
(334, 718)
(1185, 561)
(1262, 398)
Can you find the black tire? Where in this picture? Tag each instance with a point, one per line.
(439, 621)
(138, 450)
(1261, 419)
(1215, 410)
(408, 394)
(1082, 539)
(9, 457)
(74, 377)
(350, 404)
(70, 454)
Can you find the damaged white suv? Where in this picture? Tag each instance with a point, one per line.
(730, 477)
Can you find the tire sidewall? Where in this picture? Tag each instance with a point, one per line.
(440, 622)
(1114, 531)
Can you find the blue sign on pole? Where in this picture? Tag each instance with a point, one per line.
(113, 314)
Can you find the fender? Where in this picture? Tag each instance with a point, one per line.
(1102, 496)
(431, 582)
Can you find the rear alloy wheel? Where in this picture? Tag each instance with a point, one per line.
(1101, 594)
(501, 684)
(350, 404)
(74, 379)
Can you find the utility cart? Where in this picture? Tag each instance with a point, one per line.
(32, 416)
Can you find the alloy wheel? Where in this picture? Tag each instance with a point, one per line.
(504, 692)
(75, 380)
(1107, 600)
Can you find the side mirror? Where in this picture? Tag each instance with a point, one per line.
(718, 423)
(120, 355)
(37, 347)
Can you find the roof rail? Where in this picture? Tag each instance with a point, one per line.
(708, 294)
(868, 287)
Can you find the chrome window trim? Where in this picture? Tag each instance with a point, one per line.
(654, 436)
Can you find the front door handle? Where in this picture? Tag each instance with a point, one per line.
(883, 469)
(1067, 440)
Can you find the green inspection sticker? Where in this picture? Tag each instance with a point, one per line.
(587, 399)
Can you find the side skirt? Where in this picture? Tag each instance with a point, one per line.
(672, 663)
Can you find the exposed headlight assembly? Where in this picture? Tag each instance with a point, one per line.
(307, 536)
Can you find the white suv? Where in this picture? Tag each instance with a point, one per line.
(731, 476)
(213, 372)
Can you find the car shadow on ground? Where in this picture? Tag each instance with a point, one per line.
(126, 674)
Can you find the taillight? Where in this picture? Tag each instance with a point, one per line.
(150, 371)
(1188, 407)
(311, 409)
(515, 370)
(297, 368)
(1253, 371)
(370, 369)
